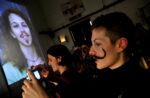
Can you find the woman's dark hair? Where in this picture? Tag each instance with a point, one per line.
(117, 25)
(61, 51)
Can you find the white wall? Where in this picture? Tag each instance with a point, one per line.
(47, 14)
(55, 18)
(64, 32)
(39, 22)
(46, 41)
(37, 16)
(130, 7)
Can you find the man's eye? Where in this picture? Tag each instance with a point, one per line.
(98, 44)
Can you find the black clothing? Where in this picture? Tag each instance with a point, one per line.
(127, 81)
(70, 85)
(143, 39)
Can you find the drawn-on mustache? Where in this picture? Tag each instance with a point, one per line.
(98, 57)
(24, 34)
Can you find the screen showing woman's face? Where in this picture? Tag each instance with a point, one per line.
(20, 29)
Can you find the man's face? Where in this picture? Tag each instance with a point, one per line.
(103, 50)
(20, 29)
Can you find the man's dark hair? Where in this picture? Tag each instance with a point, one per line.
(118, 25)
(13, 52)
(61, 50)
(6, 14)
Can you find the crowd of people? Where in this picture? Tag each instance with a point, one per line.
(107, 69)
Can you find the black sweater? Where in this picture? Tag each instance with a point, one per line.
(127, 81)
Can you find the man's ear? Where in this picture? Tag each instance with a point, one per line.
(59, 59)
(122, 44)
(12, 34)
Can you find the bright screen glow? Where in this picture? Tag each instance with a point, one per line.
(37, 75)
(19, 44)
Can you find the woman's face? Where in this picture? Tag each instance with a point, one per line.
(53, 62)
(20, 29)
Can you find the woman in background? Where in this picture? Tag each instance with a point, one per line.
(21, 52)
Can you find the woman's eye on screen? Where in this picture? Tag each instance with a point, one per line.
(24, 25)
(15, 25)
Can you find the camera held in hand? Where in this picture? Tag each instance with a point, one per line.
(36, 73)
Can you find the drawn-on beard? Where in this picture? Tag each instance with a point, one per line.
(27, 41)
(98, 57)
(24, 34)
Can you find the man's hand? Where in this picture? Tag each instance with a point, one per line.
(32, 89)
(44, 72)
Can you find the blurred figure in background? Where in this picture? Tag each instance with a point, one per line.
(142, 43)
(83, 62)
(69, 83)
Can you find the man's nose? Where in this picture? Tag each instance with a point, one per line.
(49, 63)
(92, 52)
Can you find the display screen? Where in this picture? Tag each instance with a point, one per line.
(19, 44)
(37, 74)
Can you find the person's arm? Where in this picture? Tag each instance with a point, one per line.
(32, 89)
